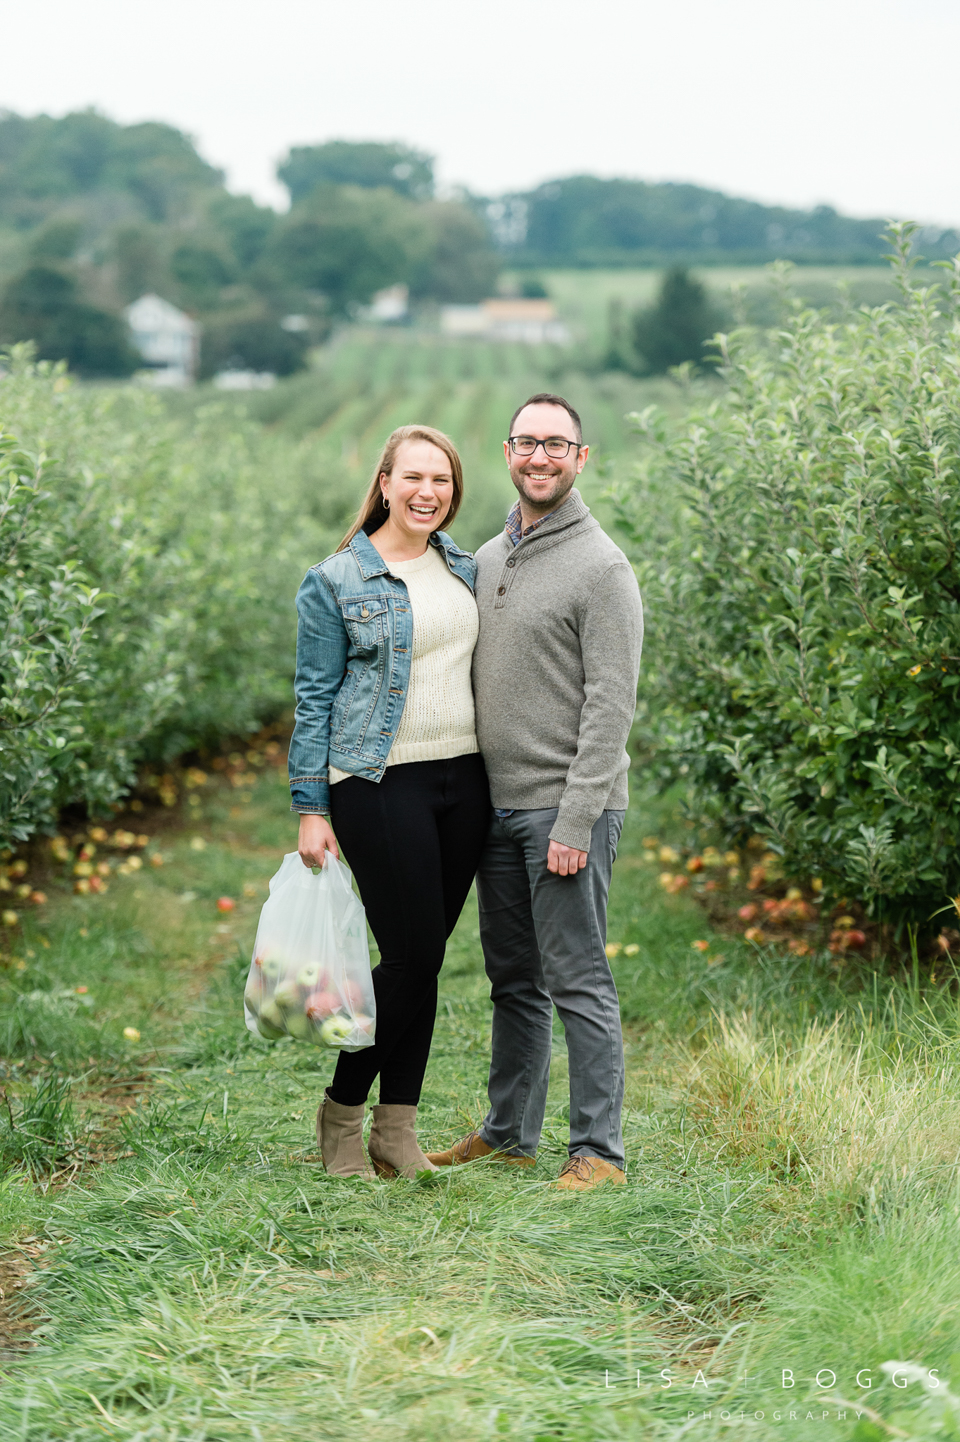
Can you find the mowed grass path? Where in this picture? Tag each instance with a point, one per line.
(792, 1199)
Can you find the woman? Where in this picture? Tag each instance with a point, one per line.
(384, 757)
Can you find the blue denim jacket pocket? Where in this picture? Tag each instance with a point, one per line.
(354, 644)
(366, 620)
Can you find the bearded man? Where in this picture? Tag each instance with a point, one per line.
(555, 682)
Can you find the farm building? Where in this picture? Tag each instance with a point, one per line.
(166, 337)
(529, 321)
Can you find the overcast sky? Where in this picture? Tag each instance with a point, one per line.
(833, 101)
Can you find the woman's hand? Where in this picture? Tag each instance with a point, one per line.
(316, 839)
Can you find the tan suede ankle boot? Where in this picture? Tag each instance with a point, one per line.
(393, 1143)
(340, 1137)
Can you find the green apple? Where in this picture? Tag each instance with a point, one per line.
(309, 978)
(252, 996)
(287, 995)
(271, 1015)
(271, 968)
(336, 1029)
(299, 1026)
(271, 1033)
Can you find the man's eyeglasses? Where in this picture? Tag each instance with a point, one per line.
(556, 447)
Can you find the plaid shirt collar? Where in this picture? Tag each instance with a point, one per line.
(514, 525)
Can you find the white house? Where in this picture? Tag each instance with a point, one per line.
(390, 306)
(166, 337)
(530, 321)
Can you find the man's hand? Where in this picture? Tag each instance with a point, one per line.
(316, 839)
(565, 860)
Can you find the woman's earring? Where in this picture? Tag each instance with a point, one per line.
(386, 503)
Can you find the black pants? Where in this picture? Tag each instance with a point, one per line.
(413, 842)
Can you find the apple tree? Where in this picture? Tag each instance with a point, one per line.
(798, 544)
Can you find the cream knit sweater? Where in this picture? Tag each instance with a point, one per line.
(437, 719)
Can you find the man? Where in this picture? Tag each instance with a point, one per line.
(555, 681)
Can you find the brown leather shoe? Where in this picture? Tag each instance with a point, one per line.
(582, 1174)
(470, 1148)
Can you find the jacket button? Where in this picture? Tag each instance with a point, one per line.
(510, 562)
(501, 590)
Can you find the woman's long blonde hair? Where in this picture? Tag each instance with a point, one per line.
(372, 507)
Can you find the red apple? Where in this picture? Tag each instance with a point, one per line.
(320, 1004)
(226, 903)
(352, 995)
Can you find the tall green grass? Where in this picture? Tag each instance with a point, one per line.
(792, 1199)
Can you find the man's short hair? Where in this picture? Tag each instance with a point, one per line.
(545, 400)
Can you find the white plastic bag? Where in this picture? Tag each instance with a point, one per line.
(310, 973)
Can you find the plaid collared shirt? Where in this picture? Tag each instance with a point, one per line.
(514, 526)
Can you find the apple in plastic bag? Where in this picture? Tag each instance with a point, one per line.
(365, 1023)
(309, 978)
(353, 995)
(321, 1004)
(336, 1029)
(300, 1027)
(271, 968)
(253, 993)
(270, 1033)
(287, 995)
(271, 1015)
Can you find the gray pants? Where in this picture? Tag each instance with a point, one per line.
(543, 940)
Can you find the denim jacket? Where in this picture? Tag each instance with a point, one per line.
(354, 645)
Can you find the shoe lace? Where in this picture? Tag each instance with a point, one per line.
(579, 1166)
(465, 1144)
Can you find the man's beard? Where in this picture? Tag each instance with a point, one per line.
(563, 485)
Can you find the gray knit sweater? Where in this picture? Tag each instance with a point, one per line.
(555, 670)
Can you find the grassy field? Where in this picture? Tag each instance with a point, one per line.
(191, 1274)
(583, 297)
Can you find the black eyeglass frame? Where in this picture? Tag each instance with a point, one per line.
(512, 442)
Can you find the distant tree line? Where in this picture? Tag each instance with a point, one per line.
(585, 221)
(94, 214)
(98, 213)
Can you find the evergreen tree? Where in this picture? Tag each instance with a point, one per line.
(674, 329)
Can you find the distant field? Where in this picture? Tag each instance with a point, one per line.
(369, 382)
(583, 297)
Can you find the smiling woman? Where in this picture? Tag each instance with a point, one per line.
(385, 751)
(413, 457)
